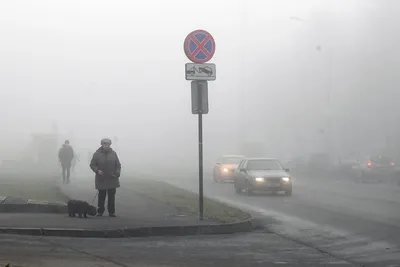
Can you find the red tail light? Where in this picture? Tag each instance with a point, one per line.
(392, 163)
(369, 164)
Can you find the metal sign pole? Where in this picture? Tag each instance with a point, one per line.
(199, 72)
(200, 107)
(200, 122)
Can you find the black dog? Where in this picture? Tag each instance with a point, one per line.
(81, 208)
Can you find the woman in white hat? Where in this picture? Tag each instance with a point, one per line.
(106, 165)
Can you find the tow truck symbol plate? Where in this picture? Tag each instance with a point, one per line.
(200, 72)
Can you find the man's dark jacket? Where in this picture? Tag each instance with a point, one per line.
(66, 154)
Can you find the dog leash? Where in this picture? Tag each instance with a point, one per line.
(95, 197)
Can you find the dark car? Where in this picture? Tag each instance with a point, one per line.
(375, 168)
(262, 174)
(345, 165)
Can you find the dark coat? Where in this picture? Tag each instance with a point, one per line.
(108, 162)
(65, 155)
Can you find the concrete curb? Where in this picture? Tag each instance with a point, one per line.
(33, 208)
(32, 205)
(230, 228)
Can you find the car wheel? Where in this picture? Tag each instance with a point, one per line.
(249, 192)
(238, 190)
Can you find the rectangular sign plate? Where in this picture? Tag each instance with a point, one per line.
(199, 97)
(200, 72)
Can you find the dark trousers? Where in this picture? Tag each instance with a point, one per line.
(66, 172)
(110, 198)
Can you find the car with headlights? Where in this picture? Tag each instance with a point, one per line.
(262, 174)
(225, 167)
(375, 168)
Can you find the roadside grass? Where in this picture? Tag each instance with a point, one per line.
(185, 201)
(44, 189)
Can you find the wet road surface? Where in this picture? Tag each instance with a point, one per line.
(238, 250)
(360, 223)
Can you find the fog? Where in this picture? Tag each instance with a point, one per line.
(299, 76)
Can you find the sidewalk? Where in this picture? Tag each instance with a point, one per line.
(132, 210)
(137, 215)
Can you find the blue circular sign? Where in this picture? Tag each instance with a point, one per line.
(199, 46)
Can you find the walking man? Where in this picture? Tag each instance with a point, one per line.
(105, 164)
(65, 155)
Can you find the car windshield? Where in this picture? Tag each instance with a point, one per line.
(232, 160)
(264, 165)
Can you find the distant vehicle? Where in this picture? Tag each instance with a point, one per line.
(345, 165)
(321, 163)
(262, 174)
(375, 168)
(225, 166)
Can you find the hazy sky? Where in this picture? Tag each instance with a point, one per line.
(116, 68)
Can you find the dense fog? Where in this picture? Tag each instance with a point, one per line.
(299, 76)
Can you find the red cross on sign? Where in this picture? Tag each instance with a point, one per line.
(199, 46)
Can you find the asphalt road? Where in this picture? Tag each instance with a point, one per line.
(238, 250)
(357, 222)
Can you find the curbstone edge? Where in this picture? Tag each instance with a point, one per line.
(231, 228)
(21, 231)
(68, 232)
